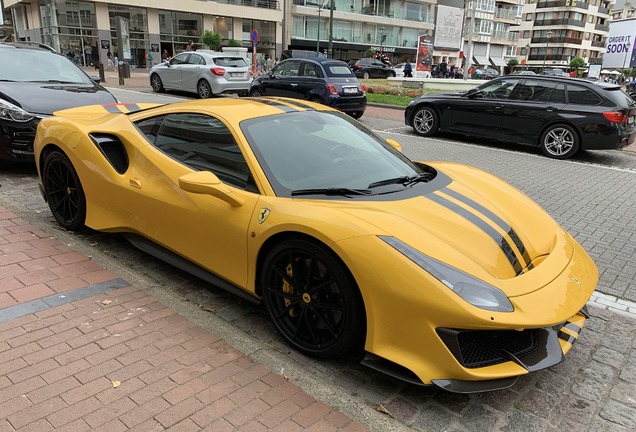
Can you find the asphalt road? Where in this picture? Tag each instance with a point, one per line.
(593, 196)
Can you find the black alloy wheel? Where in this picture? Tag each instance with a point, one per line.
(156, 83)
(256, 93)
(312, 299)
(64, 192)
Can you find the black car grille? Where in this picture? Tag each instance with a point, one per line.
(481, 348)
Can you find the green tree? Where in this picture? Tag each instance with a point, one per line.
(233, 43)
(369, 53)
(512, 63)
(576, 63)
(212, 39)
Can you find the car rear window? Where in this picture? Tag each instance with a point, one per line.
(230, 61)
(582, 96)
(338, 70)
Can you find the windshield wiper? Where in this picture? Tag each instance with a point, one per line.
(403, 180)
(53, 81)
(331, 191)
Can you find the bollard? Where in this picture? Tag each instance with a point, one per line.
(120, 72)
(100, 68)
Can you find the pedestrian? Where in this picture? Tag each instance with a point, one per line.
(452, 71)
(88, 56)
(443, 68)
(110, 63)
(190, 46)
(269, 63)
(408, 70)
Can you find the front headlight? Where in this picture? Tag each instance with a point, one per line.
(474, 291)
(8, 111)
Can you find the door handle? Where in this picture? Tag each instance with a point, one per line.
(294, 85)
(136, 183)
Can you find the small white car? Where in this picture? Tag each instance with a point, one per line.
(206, 73)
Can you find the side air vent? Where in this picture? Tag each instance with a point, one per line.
(113, 150)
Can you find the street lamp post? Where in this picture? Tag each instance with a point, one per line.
(331, 7)
(527, 54)
(547, 43)
(318, 36)
(381, 40)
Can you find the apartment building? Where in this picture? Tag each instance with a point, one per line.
(552, 32)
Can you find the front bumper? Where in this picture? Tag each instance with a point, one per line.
(16, 140)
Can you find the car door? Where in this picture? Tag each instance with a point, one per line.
(192, 71)
(283, 80)
(171, 75)
(310, 81)
(201, 227)
(534, 104)
(480, 111)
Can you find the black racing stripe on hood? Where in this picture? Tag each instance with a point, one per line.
(493, 217)
(132, 107)
(112, 108)
(479, 223)
(274, 103)
(300, 104)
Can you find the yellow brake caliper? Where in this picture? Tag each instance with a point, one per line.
(289, 290)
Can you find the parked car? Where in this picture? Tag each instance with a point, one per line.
(436, 273)
(399, 69)
(322, 80)
(372, 68)
(35, 81)
(560, 115)
(555, 72)
(524, 72)
(485, 73)
(206, 73)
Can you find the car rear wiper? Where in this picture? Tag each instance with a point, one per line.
(331, 191)
(404, 180)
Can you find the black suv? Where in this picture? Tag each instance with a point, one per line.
(323, 80)
(372, 68)
(560, 115)
(35, 81)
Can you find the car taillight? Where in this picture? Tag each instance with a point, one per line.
(218, 71)
(616, 116)
(332, 89)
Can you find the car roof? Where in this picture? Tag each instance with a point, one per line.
(27, 45)
(315, 60)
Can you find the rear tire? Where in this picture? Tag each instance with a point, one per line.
(356, 114)
(256, 93)
(64, 192)
(365, 75)
(560, 142)
(203, 89)
(316, 100)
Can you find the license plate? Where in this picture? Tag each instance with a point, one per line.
(236, 74)
(350, 90)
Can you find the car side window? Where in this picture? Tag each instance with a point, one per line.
(204, 143)
(558, 94)
(150, 127)
(288, 68)
(179, 59)
(499, 89)
(536, 91)
(582, 96)
(310, 70)
(196, 59)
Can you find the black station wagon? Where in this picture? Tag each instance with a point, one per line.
(559, 115)
(323, 80)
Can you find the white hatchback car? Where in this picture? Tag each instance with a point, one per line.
(205, 73)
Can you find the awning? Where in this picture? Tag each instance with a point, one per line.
(498, 62)
(480, 60)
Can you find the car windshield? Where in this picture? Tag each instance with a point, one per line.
(28, 65)
(326, 151)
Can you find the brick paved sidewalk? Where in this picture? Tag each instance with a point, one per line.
(81, 349)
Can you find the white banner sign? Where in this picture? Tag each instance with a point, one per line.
(619, 51)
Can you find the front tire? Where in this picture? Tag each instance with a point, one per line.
(356, 114)
(366, 75)
(559, 142)
(156, 84)
(425, 121)
(64, 192)
(312, 299)
(203, 89)
(256, 93)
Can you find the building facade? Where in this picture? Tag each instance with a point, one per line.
(553, 32)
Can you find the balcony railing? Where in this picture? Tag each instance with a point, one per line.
(560, 21)
(598, 44)
(562, 3)
(603, 10)
(506, 13)
(263, 4)
(557, 40)
(601, 27)
(505, 36)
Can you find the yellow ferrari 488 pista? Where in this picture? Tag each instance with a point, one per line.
(438, 272)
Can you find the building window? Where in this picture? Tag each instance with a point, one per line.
(529, 17)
